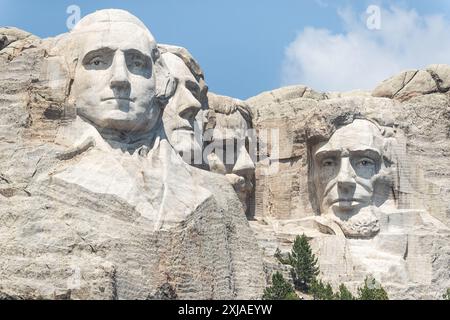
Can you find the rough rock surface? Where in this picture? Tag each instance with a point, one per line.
(410, 255)
(60, 240)
(411, 83)
(424, 120)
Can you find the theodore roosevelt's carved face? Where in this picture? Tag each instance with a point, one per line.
(114, 84)
(344, 167)
(231, 155)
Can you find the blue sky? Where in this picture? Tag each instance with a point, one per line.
(242, 45)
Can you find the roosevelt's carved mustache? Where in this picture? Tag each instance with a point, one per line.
(118, 98)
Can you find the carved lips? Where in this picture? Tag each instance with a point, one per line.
(119, 98)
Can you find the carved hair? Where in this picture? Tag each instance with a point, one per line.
(187, 58)
(191, 64)
(226, 105)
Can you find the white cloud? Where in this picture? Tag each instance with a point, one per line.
(360, 58)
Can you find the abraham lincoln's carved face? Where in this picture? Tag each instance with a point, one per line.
(345, 165)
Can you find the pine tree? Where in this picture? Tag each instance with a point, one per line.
(372, 290)
(329, 295)
(344, 293)
(320, 291)
(446, 295)
(304, 264)
(317, 290)
(280, 289)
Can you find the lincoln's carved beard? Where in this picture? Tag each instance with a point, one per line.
(364, 224)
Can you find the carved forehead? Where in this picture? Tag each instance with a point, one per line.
(109, 16)
(177, 67)
(358, 136)
(230, 126)
(234, 120)
(113, 28)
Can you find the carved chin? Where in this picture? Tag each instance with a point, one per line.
(361, 225)
(185, 144)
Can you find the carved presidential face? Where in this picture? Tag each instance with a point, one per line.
(114, 85)
(230, 153)
(344, 168)
(181, 110)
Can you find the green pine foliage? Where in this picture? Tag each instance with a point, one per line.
(372, 290)
(280, 289)
(304, 273)
(322, 291)
(344, 293)
(303, 262)
(446, 295)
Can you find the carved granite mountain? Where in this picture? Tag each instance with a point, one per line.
(97, 202)
(404, 239)
(90, 211)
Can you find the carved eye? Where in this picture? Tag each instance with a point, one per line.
(327, 163)
(136, 61)
(99, 59)
(365, 162)
(194, 88)
(96, 61)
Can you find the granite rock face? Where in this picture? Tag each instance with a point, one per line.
(99, 198)
(90, 213)
(408, 251)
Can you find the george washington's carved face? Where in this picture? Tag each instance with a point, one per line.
(114, 84)
(344, 167)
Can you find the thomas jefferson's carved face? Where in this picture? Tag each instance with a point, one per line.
(114, 85)
(344, 167)
(181, 110)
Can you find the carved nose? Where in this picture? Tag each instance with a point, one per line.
(120, 84)
(244, 164)
(345, 179)
(119, 77)
(189, 106)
